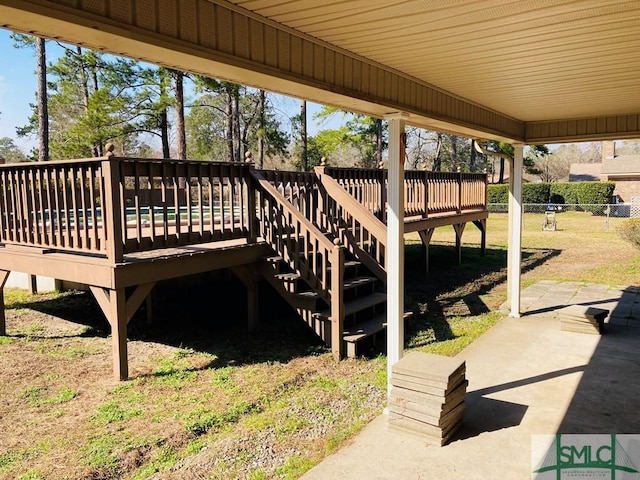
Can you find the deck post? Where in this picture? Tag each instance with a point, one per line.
(482, 226)
(425, 236)
(112, 208)
(515, 230)
(337, 300)
(459, 229)
(248, 276)
(4, 274)
(395, 241)
(118, 320)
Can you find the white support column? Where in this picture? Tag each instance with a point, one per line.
(514, 263)
(395, 241)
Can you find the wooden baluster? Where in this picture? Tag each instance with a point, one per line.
(4, 214)
(84, 238)
(94, 242)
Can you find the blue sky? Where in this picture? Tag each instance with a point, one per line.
(17, 88)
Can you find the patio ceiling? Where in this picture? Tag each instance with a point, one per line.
(532, 71)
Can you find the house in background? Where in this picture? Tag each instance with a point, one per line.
(624, 170)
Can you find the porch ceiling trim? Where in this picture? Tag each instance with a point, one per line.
(588, 129)
(225, 41)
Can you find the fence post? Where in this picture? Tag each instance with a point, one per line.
(112, 208)
(337, 299)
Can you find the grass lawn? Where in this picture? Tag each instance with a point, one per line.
(207, 400)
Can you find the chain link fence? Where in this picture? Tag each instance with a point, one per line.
(607, 209)
(604, 211)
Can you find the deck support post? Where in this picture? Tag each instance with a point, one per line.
(459, 229)
(118, 320)
(515, 230)
(119, 310)
(337, 300)
(249, 279)
(395, 241)
(482, 226)
(33, 284)
(4, 274)
(425, 236)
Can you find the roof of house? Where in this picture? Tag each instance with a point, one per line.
(584, 172)
(621, 165)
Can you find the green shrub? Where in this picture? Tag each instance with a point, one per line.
(595, 193)
(580, 193)
(535, 193)
(564, 192)
(629, 230)
(498, 193)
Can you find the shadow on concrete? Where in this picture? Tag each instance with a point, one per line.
(607, 398)
(554, 308)
(484, 414)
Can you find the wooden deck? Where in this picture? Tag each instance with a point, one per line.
(319, 238)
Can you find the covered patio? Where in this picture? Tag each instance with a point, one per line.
(521, 72)
(526, 378)
(494, 69)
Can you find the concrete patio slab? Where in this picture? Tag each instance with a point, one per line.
(526, 377)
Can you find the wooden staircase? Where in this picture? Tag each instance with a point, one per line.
(319, 268)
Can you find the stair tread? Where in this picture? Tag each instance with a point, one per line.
(358, 282)
(349, 263)
(272, 258)
(287, 276)
(357, 304)
(308, 294)
(368, 327)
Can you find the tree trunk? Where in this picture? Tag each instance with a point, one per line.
(262, 131)
(454, 153)
(164, 133)
(228, 125)
(84, 79)
(303, 136)
(437, 159)
(237, 144)
(179, 106)
(379, 142)
(164, 117)
(43, 112)
(501, 176)
(472, 160)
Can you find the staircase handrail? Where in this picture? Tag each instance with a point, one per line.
(372, 254)
(319, 252)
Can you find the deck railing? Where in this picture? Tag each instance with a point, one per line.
(169, 203)
(80, 205)
(142, 204)
(425, 193)
(54, 205)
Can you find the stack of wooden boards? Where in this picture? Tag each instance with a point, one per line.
(427, 396)
(582, 319)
